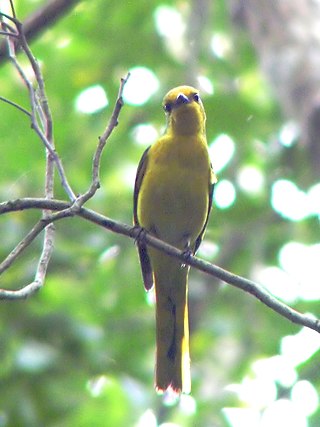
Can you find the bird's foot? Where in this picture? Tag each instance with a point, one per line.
(141, 234)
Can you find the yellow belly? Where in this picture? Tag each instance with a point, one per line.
(173, 199)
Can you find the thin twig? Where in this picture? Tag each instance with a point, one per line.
(14, 104)
(47, 224)
(12, 9)
(22, 245)
(40, 275)
(10, 18)
(45, 136)
(134, 232)
(40, 20)
(33, 233)
(41, 122)
(113, 122)
(38, 103)
(8, 34)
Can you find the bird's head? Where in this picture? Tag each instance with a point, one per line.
(184, 109)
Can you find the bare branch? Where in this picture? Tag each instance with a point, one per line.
(8, 34)
(40, 20)
(39, 103)
(23, 110)
(45, 223)
(113, 122)
(40, 275)
(65, 209)
(22, 293)
(34, 232)
(40, 108)
(41, 122)
(22, 245)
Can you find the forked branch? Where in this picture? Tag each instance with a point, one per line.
(41, 123)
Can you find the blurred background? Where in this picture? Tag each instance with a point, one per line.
(81, 351)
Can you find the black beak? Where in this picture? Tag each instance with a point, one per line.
(182, 99)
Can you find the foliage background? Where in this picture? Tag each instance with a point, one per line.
(81, 352)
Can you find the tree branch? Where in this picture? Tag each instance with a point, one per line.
(113, 122)
(39, 103)
(39, 21)
(15, 105)
(40, 275)
(22, 245)
(65, 209)
(41, 122)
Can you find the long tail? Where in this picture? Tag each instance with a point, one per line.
(172, 325)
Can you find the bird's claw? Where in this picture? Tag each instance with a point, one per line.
(140, 237)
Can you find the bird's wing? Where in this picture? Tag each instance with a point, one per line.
(145, 263)
(212, 182)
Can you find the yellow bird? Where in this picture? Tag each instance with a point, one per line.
(172, 201)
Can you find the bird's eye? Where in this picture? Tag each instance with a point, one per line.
(167, 107)
(196, 97)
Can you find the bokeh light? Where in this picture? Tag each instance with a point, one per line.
(169, 21)
(242, 417)
(288, 200)
(305, 397)
(220, 45)
(91, 100)
(171, 27)
(251, 179)
(147, 419)
(224, 194)
(258, 390)
(300, 347)
(289, 133)
(221, 151)
(281, 413)
(301, 262)
(313, 197)
(145, 134)
(205, 85)
(278, 282)
(141, 85)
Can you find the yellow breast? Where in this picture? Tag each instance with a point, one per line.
(173, 199)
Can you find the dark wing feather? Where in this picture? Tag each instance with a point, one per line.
(210, 194)
(145, 263)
